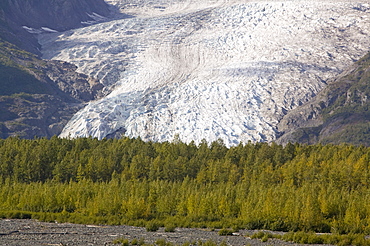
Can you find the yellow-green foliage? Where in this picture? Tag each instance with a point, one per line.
(127, 181)
(163, 242)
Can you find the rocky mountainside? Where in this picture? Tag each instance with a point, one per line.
(338, 114)
(227, 70)
(21, 19)
(38, 97)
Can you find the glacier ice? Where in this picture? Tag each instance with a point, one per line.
(208, 70)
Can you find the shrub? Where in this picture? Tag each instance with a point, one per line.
(152, 226)
(344, 242)
(360, 240)
(225, 232)
(209, 243)
(122, 241)
(141, 241)
(335, 239)
(254, 225)
(161, 242)
(300, 237)
(170, 228)
(315, 239)
(265, 238)
(236, 228)
(258, 235)
(18, 215)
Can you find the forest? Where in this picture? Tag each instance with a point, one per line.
(313, 188)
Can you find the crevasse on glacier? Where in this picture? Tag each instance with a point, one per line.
(209, 69)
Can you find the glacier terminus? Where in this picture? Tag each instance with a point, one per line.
(208, 69)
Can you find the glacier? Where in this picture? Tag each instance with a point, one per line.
(210, 70)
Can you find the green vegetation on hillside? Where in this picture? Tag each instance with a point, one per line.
(37, 97)
(128, 181)
(345, 112)
(14, 80)
(353, 99)
(17, 71)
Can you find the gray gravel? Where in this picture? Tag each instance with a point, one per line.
(33, 232)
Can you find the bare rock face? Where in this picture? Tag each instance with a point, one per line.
(209, 70)
(76, 85)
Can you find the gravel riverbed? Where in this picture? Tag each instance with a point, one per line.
(32, 232)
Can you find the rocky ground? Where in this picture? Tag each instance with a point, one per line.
(32, 232)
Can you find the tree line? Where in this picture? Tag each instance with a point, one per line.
(322, 188)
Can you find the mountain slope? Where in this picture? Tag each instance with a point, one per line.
(38, 97)
(339, 114)
(21, 19)
(209, 70)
